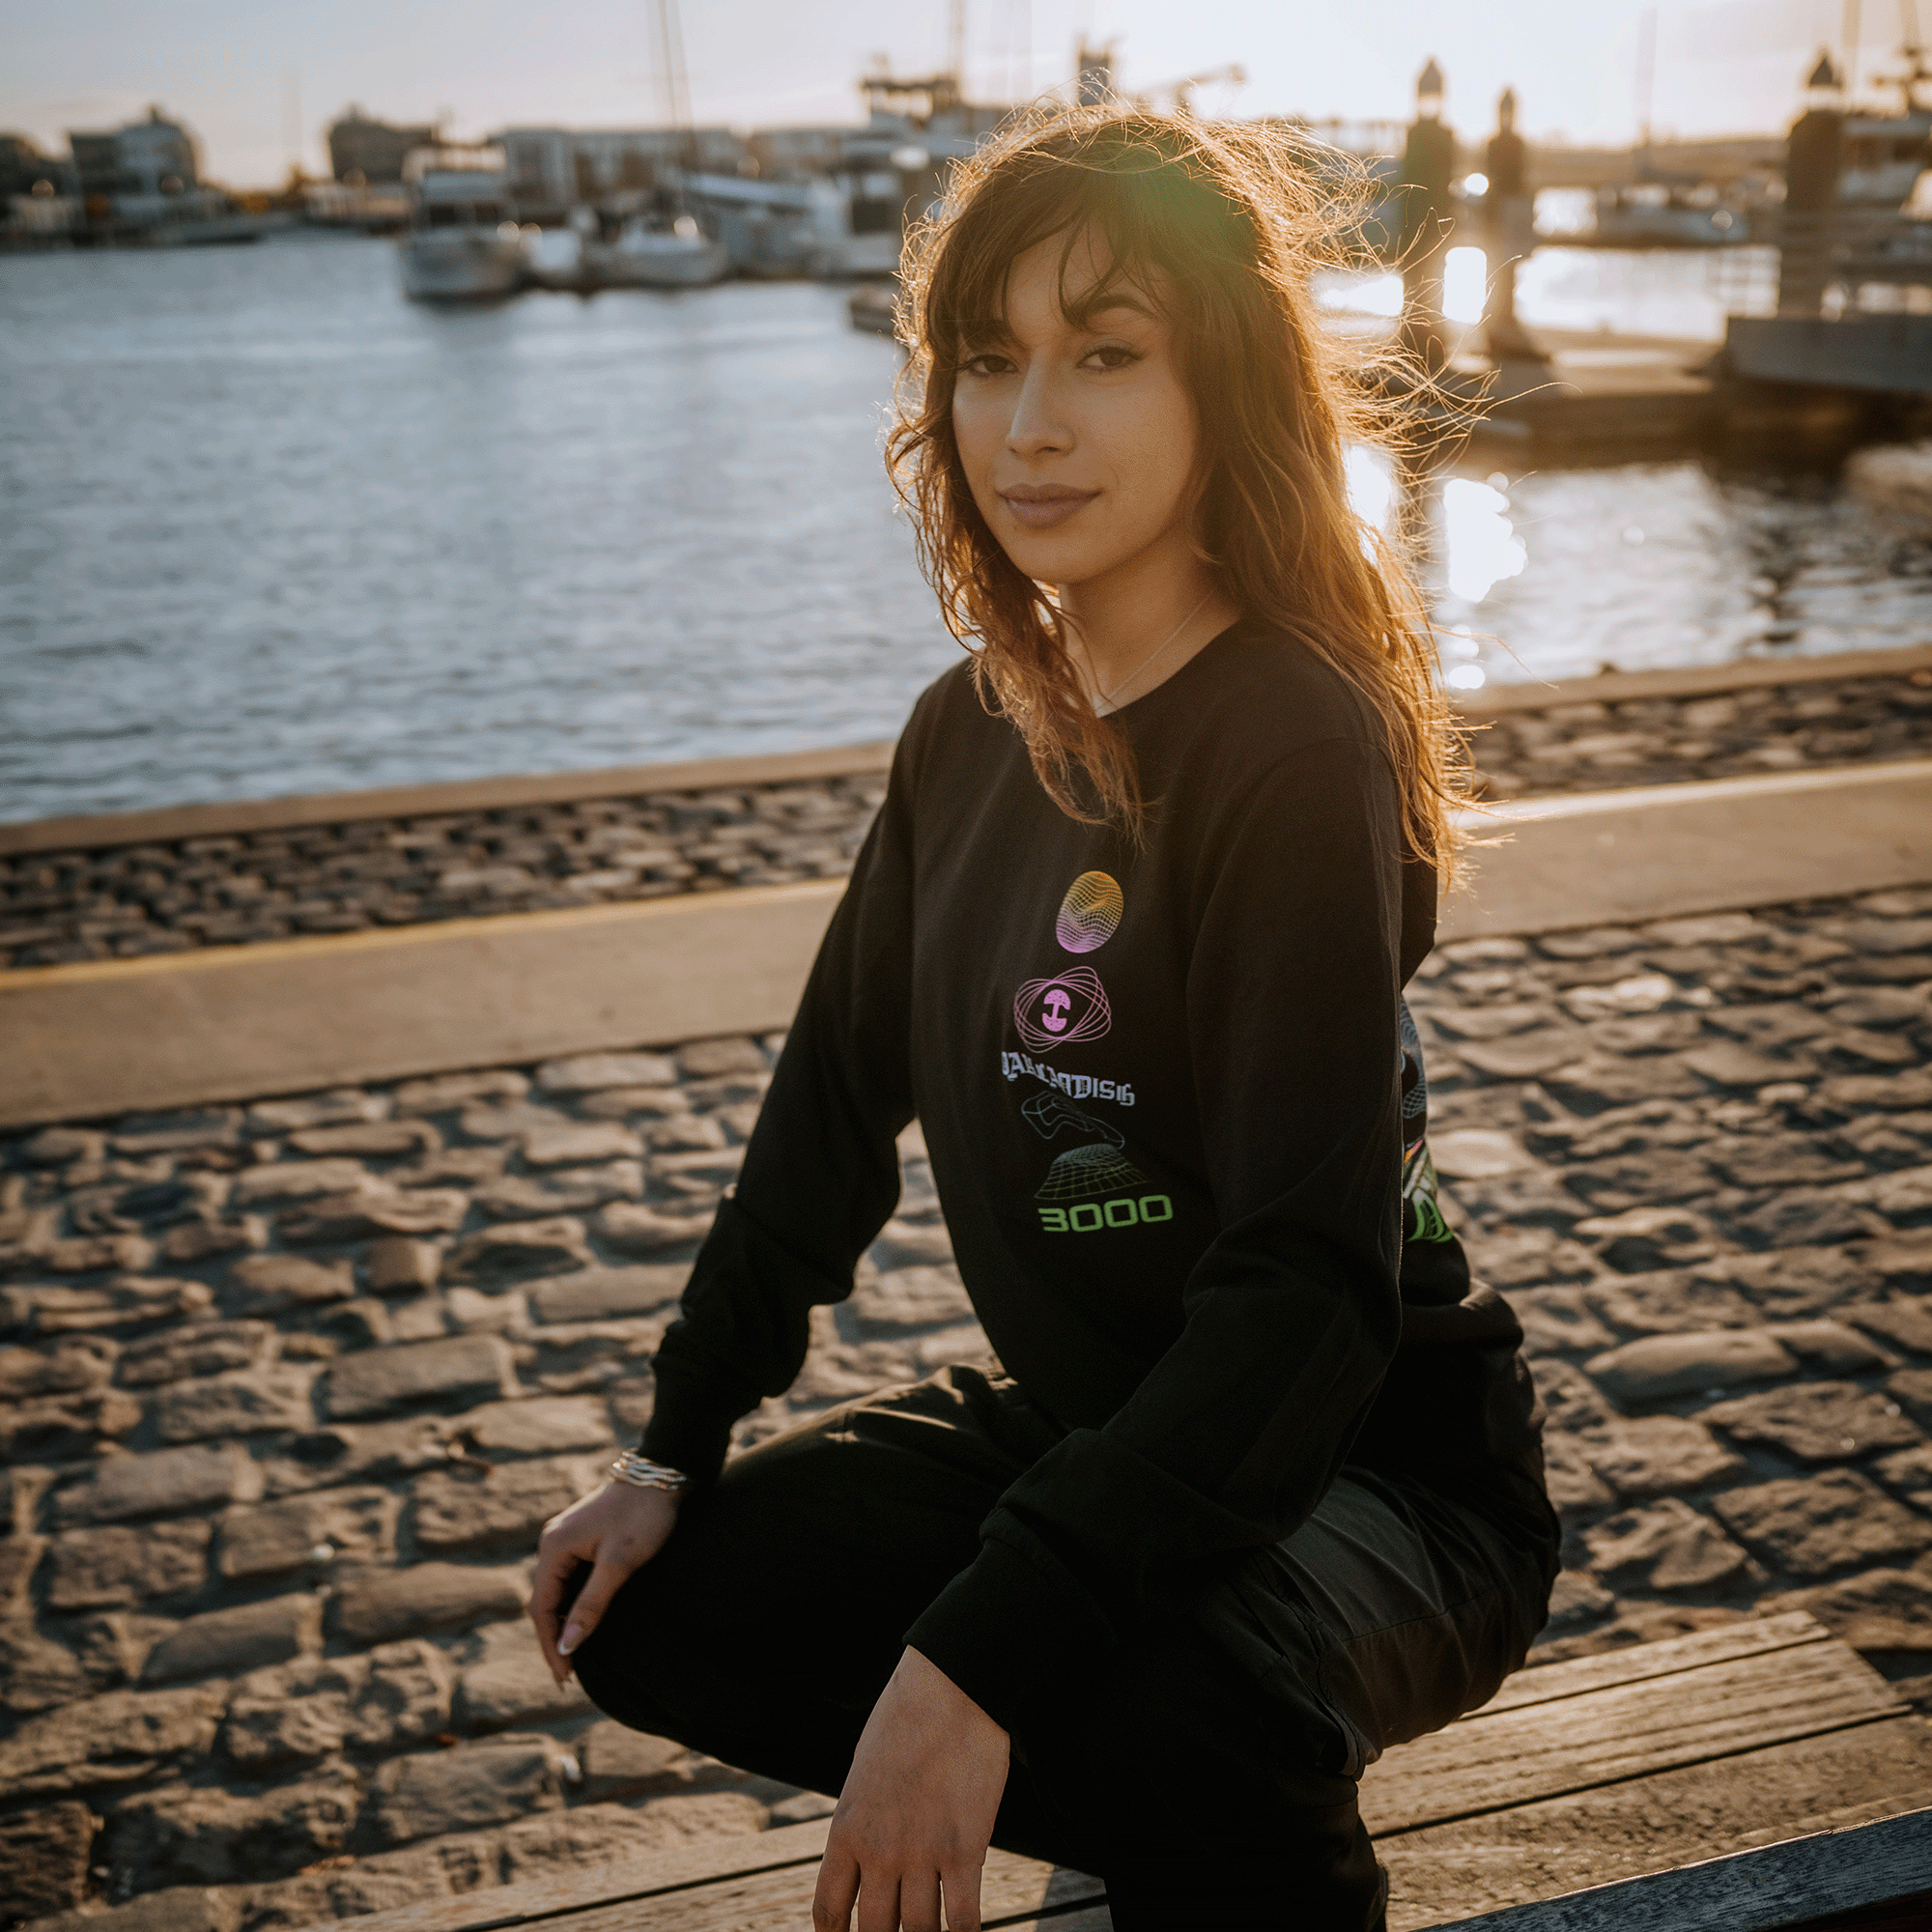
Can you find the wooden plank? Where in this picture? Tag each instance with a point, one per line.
(1624, 1730)
(1089, 1919)
(1750, 1636)
(1446, 1872)
(757, 1880)
(1637, 1720)
(1777, 1885)
(1012, 1890)
(648, 1876)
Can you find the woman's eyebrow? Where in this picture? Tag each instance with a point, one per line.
(1087, 311)
(985, 332)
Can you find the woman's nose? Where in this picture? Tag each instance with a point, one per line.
(1039, 422)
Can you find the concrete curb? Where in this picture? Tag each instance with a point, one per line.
(430, 801)
(1624, 687)
(234, 1022)
(169, 823)
(1722, 845)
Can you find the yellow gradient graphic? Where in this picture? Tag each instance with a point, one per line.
(1090, 912)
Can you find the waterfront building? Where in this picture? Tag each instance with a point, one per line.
(366, 152)
(144, 175)
(23, 168)
(37, 200)
(552, 170)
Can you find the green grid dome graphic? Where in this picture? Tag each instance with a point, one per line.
(1083, 1172)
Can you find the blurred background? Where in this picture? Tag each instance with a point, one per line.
(425, 392)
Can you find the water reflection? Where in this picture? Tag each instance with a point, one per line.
(1561, 573)
(1479, 546)
(271, 528)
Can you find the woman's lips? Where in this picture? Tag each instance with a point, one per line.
(1042, 508)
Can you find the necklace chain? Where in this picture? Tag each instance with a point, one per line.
(1107, 696)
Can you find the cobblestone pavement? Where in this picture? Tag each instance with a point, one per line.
(289, 1389)
(127, 901)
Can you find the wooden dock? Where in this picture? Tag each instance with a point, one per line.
(1611, 397)
(1755, 1777)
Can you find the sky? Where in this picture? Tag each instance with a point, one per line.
(259, 80)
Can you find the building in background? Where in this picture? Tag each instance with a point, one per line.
(366, 152)
(37, 204)
(145, 161)
(143, 176)
(23, 168)
(552, 170)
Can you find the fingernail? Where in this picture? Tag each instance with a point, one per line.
(573, 1634)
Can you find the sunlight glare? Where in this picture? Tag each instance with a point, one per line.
(1359, 295)
(1466, 281)
(1370, 481)
(1482, 544)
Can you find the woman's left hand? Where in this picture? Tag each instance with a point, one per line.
(917, 1812)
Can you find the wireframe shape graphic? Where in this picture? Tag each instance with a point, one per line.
(1048, 1111)
(1062, 1008)
(1090, 914)
(1083, 1172)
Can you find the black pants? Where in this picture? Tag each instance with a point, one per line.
(1205, 1766)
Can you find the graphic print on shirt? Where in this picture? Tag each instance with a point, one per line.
(1062, 1007)
(1421, 1214)
(1090, 915)
(1092, 1185)
(1084, 1172)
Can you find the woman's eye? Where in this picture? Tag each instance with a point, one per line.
(1114, 356)
(986, 363)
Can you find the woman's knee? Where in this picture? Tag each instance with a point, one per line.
(628, 1665)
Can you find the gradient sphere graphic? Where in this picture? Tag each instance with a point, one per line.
(1090, 912)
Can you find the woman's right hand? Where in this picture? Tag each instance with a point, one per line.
(617, 1530)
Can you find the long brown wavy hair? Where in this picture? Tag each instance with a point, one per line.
(1221, 227)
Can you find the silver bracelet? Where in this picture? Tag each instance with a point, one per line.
(641, 1473)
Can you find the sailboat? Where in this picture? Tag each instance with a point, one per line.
(656, 254)
(681, 256)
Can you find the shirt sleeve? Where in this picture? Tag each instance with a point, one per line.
(1292, 1314)
(821, 1172)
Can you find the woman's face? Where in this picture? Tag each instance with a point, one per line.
(1076, 431)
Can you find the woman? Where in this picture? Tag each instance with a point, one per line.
(1258, 1487)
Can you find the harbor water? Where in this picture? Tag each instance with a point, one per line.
(266, 528)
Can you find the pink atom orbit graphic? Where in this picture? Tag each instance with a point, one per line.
(1062, 1008)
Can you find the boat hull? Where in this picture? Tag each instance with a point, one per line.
(653, 268)
(459, 265)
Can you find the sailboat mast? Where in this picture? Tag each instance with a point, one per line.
(1647, 73)
(672, 82)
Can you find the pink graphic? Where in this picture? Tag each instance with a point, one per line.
(1090, 912)
(1066, 1008)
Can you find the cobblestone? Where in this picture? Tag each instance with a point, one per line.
(1738, 1400)
(222, 1643)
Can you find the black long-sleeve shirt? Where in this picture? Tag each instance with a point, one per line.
(1163, 1091)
